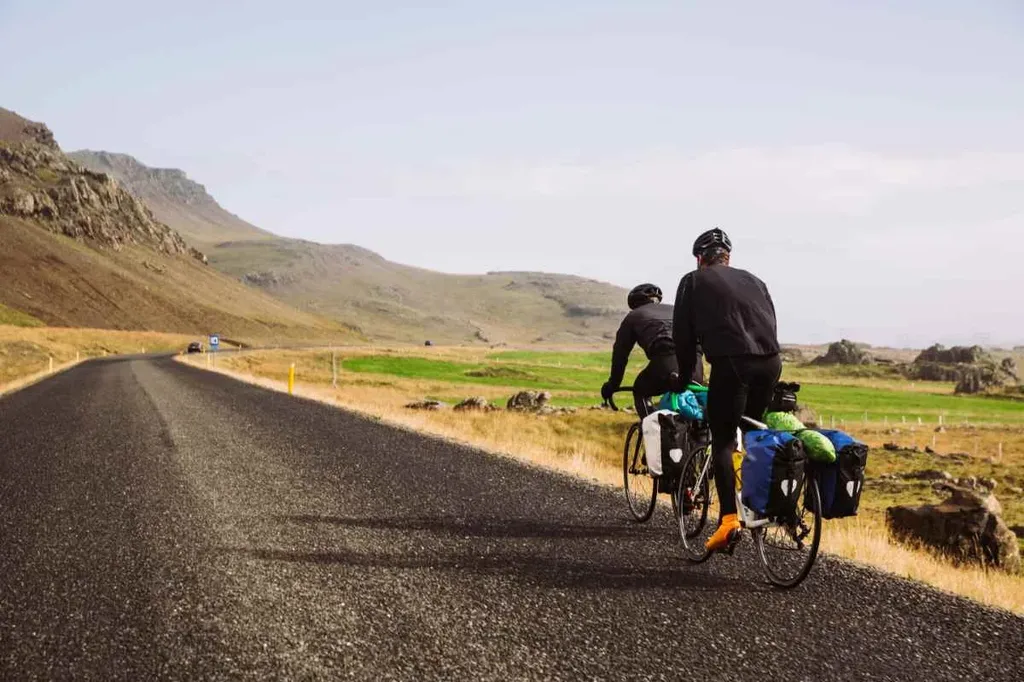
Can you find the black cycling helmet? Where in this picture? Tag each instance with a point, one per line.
(710, 239)
(642, 294)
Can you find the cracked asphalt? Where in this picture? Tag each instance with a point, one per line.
(161, 522)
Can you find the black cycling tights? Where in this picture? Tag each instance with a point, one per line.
(653, 380)
(738, 386)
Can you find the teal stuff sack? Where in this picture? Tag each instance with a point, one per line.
(686, 404)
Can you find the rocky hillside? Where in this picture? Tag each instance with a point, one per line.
(80, 250)
(39, 183)
(174, 198)
(360, 288)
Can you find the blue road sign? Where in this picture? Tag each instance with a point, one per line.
(214, 341)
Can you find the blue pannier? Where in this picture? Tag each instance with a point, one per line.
(772, 473)
(841, 482)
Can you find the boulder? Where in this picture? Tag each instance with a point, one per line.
(843, 352)
(478, 404)
(528, 401)
(432, 405)
(967, 527)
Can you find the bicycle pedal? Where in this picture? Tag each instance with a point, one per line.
(734, 540)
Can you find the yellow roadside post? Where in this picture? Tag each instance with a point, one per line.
(291, 379)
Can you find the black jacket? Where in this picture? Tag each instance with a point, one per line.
(727, 311)
(650, 327)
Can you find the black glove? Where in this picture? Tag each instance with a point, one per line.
(607, 390)
(676, 383)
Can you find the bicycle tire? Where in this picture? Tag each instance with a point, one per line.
(772, 570)
(694, 503)
(635, 476)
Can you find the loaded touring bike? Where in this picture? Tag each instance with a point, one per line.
(786, 545)
(639, 484)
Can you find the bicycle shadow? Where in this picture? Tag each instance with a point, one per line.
(600, 571)
(483, 527)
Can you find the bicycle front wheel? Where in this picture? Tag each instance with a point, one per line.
(694, 501)
(640, 487)
(788, 548)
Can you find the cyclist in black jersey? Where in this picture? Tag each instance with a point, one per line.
(730, 313)
(649, 325)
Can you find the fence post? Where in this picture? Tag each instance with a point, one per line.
(334, 370)
(291, 379)
(78, 356)
(51, 364)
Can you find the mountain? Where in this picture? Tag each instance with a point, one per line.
(382, 299)
(173, 198)
(77, 249)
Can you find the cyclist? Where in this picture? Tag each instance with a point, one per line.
(649, 325)
(731, 314)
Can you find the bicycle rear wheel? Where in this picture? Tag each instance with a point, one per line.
(694, 501)
(788, 549)
(640, 487)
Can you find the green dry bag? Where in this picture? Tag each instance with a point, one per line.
(817, 445)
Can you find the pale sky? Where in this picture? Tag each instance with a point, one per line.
(867, 158)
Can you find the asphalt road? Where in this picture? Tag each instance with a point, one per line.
(160, 522)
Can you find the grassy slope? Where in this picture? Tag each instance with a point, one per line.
(63, 282)
(392, 301)
(16, 318)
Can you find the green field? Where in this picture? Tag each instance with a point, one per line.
(575, 379)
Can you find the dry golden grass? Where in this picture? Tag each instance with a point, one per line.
(865, 541)
(25, 352)
(588, 444)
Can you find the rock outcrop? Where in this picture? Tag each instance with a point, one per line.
(39, 183)
(476, 404)
(144, 181)
(967, 526)
(528, 401)
(970, 367)
(843, 352)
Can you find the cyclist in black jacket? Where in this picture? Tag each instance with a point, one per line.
(649, 325)
(730, 313)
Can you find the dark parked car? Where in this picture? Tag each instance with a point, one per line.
(195, 347)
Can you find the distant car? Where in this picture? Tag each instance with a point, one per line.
(195, 347)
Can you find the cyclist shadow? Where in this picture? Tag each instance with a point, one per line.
(606, 568)
(484, 527)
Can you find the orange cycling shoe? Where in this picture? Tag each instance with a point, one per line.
(724, 535)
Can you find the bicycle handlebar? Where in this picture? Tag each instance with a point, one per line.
(610, 402)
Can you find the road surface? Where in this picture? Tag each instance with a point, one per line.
(161, 522)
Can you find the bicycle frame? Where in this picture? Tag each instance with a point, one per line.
(747, 518)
